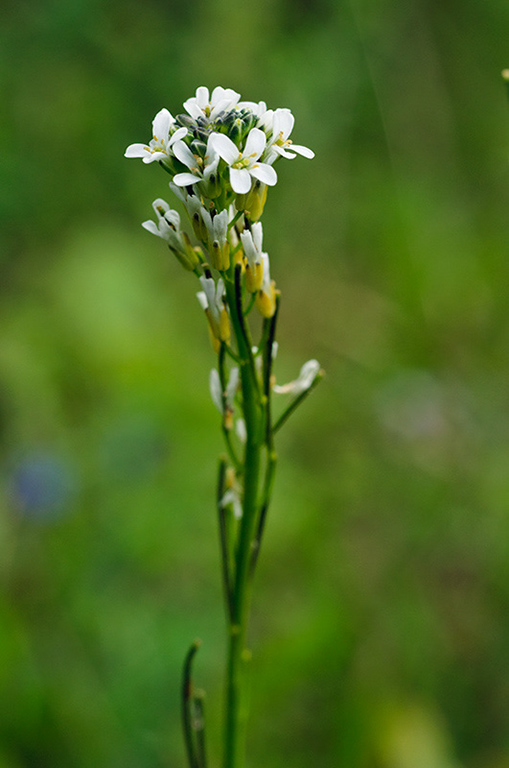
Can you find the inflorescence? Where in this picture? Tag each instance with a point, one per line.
(221, 156)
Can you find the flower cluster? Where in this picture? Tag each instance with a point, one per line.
(222, 145)
(220, 154)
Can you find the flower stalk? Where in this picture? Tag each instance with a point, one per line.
(221, 158)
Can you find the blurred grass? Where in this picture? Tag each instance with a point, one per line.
(381, 631)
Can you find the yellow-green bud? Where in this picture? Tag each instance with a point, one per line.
(224, 325)
(254, 278)
(266, 302)
(256, 199)
(220, 255)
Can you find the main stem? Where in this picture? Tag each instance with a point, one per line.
(238, 653)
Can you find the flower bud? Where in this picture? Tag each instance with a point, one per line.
(224, 325)
(254, 277)
(236, 131)
(220, 255)
(266, 300)
(256, 199)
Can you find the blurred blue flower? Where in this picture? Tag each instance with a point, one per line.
(43, 485)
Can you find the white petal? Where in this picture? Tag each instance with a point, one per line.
(266, 271)
(264, 173)
(282, 152)
(216, 391)
(266, 120)
(136, 150)
(240, 180)
(211, 166)
(233, 385)
(308, 373)
(161, 125)
(202, 298)
(283, 123)
(155, 156)
(304, 151)
(158, 204)
(257, 231)
(182, 196)
(184, 154)
(283, 389)
(219, 94)
(237, 508)
(240, 429)
(193, 108)
(224, 147)
(255, 143)
(179, 134)
(185, 179)
(207, 220)
(232, 497)
(202, 96)
(257, 109)
(152, 227)
(173, 219)
(252, 255)
(220, 292)
(220, 106)
(220, 226)
(208, 285)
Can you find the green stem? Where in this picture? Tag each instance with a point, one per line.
(238, 654)
(225, 427)
(268, 335)
(235, 220)
(187, 703)
(199, 727)
(226, 566)
(267, 493)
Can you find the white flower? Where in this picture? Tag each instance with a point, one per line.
(258, 109)
(216, 391)
(240, 430)
(252, 244)
(217, 227)
(281, 123)
(168, 228)
(232, 496)
(160, 146)
(244, 165)
(200, 169)
(223, 403)
(266, 296)
(211, 107)
(192, 204)
(305, 379)
(168, 221)
(217, 235)
(211, 300)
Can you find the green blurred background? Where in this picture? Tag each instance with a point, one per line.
(381, 620)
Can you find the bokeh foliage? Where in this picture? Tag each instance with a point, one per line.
(381, 626)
